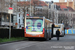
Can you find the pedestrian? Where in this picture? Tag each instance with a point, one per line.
(64, 30)
(57, 34)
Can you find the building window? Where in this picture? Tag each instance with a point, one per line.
(7, 18)
(20, 26)
(19, 20)
(19, 10)
(49, 6)
(23, 15)
(19, 15)
(65, 9)
(23, 20)
(2, 18)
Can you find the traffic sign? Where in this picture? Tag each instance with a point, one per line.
(10, 10)
(16, 23)
(27, 15)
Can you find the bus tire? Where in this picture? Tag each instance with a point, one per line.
(46, 39)
(49, 38)
(64, 33)
(30, 39)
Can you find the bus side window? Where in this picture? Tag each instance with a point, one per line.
(46, 27)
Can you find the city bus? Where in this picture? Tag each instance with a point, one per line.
(37, 27)
(61, 29)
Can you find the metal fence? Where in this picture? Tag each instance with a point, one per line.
(4, 33)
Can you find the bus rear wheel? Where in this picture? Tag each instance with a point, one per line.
(46, 39)
(30, 39)
(49, 38)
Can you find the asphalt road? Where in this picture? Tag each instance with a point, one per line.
(65, 43)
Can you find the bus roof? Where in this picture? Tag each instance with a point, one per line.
(59, 24)
(47, 20)
(35, 17)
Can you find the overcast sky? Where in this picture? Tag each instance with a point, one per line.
(48, 0)
(51, 0)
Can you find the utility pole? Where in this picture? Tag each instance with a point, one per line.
(11, 3)
(57, 16)
(16, 12)
(1, 13)
(72, 19)
(10, 21)
(30, 7)
(48, 10)
(52, 11)
(24, 15)
(34, 8)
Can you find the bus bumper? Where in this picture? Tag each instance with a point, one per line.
(34, 36)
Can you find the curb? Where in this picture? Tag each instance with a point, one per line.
(12, 41)
(69, 34)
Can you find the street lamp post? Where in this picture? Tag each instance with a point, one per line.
(52, 13)
(72, 21)
(10, 28)
(24, 15)
(48, 10)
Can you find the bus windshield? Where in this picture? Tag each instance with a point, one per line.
(34, 25)
(57, 26)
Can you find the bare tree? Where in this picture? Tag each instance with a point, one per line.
(35, 3)
(0, 11)
(2, 4)
(23, 5)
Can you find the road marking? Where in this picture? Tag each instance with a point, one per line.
(12, 43)
(22, 47)
(28, 45)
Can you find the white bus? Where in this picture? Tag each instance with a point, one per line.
(37, 27)
(61, 29)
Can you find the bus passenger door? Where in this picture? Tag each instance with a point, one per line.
(45, 30)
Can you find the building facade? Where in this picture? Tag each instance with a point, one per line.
(69, 3)
(20, 15)
(4, 15)
(61, 0)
